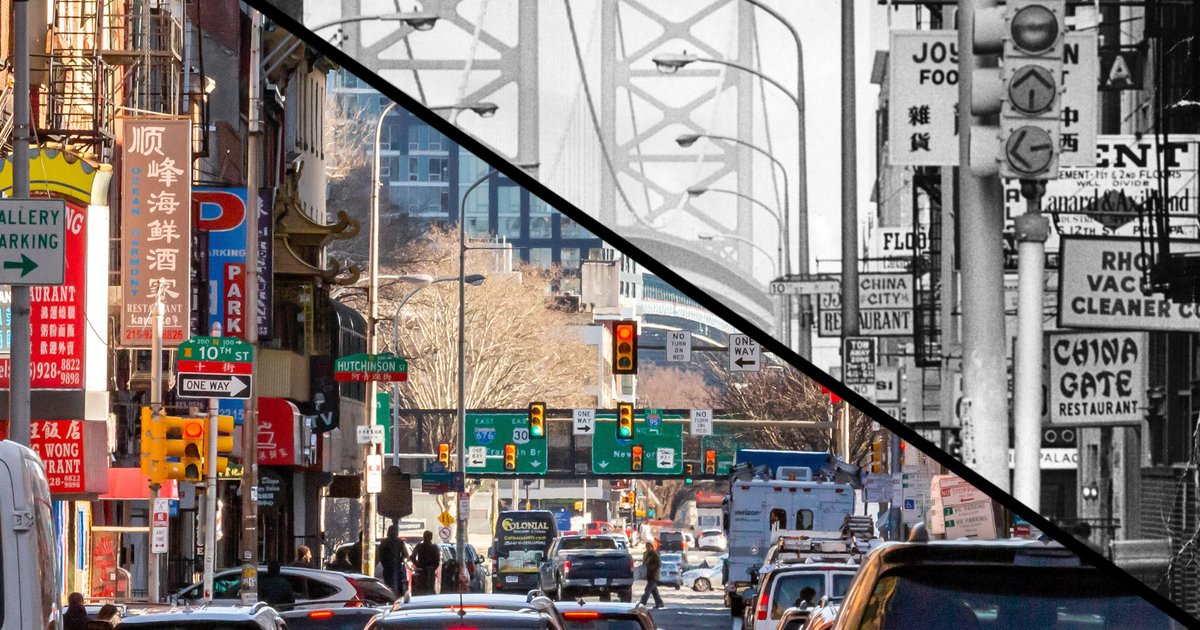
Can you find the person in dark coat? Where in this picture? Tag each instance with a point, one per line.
(426, 558)
(75, 617)
(275, 589)
(393, 554)
(653, 564)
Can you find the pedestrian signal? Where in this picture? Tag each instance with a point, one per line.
(635, 462)
(537, 419)
(625, 347)
(444, 454)
(624, 421)
(510, 457)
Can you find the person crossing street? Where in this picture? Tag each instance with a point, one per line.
(653, 564)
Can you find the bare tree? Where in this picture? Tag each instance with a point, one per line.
(672, 387)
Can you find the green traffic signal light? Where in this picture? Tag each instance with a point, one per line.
(687, 474)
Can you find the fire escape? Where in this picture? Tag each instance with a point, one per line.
(109, 58)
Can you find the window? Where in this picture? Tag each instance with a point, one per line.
(540, 225)
(778, 519)
(540, 257)
(570, 229)
(794, 589)
(414, 169)
(804, 519)
(569, 258)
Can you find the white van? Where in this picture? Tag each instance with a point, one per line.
(28, 556)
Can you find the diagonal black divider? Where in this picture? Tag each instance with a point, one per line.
(610, 237)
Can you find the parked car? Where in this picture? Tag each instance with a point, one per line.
(477, 571)
(703, 577)
(256, 617)
(481, 618)
(535, 600)
(671, 571)
(343, 618)
(712, 540)
(312, 588)
(799, 585)
(969, 584)
(608, 616)
(582, 565)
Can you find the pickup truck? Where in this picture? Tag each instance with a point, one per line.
(588, 565)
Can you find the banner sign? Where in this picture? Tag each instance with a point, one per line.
(885, 307)
(1098, 378)
(266, 266)
(156, 159)
(1106, 197)
(1100, 287)
(858, 364)
(56, 317)
(923, 98)
(222, 213)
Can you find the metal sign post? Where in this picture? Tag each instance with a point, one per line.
(210, 497)
(22, 345)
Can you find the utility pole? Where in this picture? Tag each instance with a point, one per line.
(210, 496)
(249, 583)
(156, 411)
(22, 345)
(849, 178)
(1032, 230)
(981, 224)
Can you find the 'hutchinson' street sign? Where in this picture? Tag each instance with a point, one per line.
(361, 367)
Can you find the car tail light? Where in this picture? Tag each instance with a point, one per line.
(762, 606)
(320, 614)
(566, 566)
(359, 595)
(581, 615)
(463, 609)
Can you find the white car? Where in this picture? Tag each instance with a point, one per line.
(312, 588)
(712, 540)
(703, 578)
(669, 574)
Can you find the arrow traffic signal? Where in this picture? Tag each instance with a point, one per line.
(444, 454)
(635, 462)
(624, 421)
(710, 462)
(510, 457)
(624, 348)
(537, 420)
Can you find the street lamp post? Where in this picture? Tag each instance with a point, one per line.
(696, 191)
(417, 20)
(740, 239)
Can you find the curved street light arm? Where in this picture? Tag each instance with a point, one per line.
(751, 243)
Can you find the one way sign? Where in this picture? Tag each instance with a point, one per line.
(214, 386)
(745, 355)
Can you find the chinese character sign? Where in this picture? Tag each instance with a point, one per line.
(156, 187)
(923, 98)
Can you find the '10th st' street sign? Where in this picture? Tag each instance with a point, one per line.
(363, 367)
(214, 367)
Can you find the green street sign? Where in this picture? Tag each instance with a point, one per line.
(662, 447)
(488, 433)
(383, 417)
(724, 443)
(364, 367)
(207, 355)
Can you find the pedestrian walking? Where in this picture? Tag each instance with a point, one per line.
(393, 554)
(426, 558)
(303, 557)
(653, 564)
(75, 618)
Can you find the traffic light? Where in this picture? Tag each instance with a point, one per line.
(625, 347)
(444, 454)
(189, 447)
(688, 468)
(1026, 91)
(224, 429)
(537, 420)
(510, 457)
(877, 455)
(635, 462)
(154, 448)
(624, 421)
(710, 462)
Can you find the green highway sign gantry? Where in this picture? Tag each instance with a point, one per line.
(363, 367)
(662, 445)
(488, 433)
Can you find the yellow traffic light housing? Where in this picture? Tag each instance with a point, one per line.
(688, 468)
(154, 447)
(624, 421)
(185, 442)
(537, 420)
(635, 461)
(510, 457)
(877, 456)
(710, 462)
(444, 454)
(625, 347)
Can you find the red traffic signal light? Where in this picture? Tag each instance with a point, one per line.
(624, 349)
(635, 454)
(510, 457)
(444, 454)
(710, 462)
(624, 421)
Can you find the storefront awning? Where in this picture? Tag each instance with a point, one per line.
(128, 484)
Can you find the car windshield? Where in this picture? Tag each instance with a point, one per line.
(604, 624)
(190, 624)
(672, 536)
(672, 557)
(318, 621)
(796, 589)
(587, 543)
(711, 532)
(969, 597)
